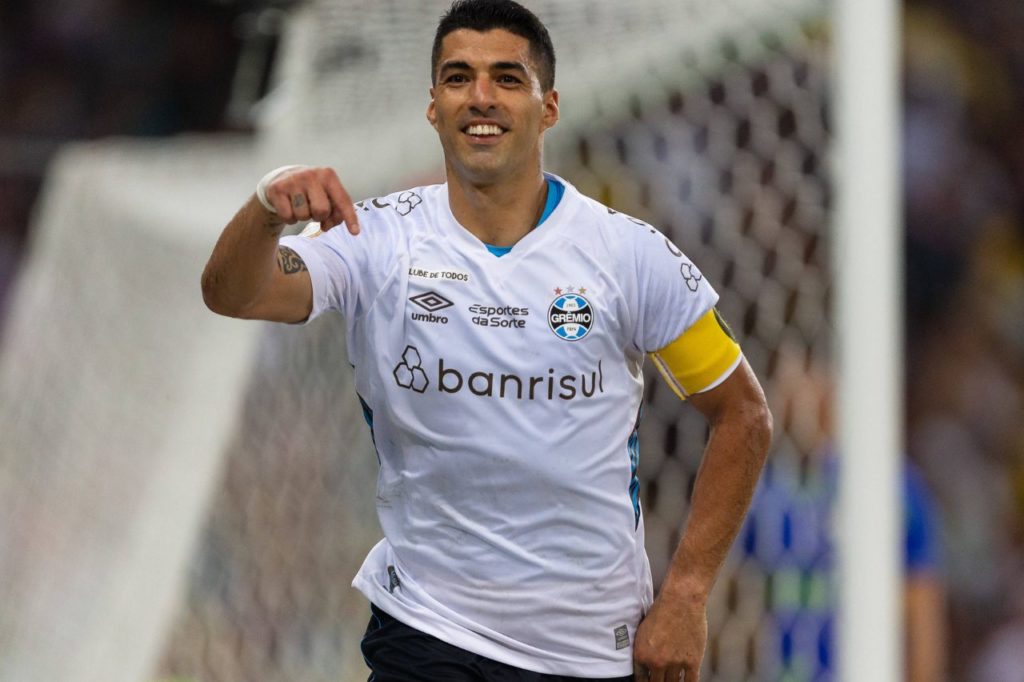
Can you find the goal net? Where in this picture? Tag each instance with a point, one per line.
(188, 498)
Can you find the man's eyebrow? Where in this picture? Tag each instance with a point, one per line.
(510, 66)
(496, 66)
(446, 66)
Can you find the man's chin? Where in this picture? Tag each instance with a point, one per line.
(482, 171)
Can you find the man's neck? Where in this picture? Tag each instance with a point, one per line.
(498, 214)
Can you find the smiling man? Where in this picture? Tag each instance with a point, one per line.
(498, 324)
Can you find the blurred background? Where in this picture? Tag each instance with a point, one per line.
(727, 150)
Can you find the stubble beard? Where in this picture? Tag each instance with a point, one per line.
(490, 167)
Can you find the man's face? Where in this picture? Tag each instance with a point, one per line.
(488, 107)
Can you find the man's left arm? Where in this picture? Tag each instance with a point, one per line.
(671, 639)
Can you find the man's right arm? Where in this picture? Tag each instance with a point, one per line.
(249, 275)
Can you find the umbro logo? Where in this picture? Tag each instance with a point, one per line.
(432, 302)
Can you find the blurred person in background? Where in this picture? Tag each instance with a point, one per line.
(789, 535)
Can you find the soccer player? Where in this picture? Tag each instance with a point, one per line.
(497, 324)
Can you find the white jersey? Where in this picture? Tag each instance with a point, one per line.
(505, 397)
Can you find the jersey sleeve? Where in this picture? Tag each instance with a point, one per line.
(678, 324)
(672, 293)
(346, 270)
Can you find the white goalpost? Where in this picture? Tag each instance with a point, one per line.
(186, 498)
(869, 314)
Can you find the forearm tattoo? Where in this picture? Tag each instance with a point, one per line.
(289, 262)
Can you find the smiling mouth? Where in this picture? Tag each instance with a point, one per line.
(484, 130)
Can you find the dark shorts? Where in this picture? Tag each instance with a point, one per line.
(396, 652)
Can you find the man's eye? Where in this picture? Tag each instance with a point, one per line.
(456, 78)
(507, 78)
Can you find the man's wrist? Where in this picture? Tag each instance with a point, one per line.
(687, 585)
(268, 221)
(261, 186)
(685, 594)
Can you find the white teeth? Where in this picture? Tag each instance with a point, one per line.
(484, 130)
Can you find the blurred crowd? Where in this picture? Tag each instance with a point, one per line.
(964, 175)
(87, 69)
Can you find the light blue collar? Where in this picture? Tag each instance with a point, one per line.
(555, 192)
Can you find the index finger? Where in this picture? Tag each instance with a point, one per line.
(341, 203)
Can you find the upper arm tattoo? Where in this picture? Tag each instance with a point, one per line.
(289, 262)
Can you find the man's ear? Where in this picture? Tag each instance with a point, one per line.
(432, 111)
(550, 117)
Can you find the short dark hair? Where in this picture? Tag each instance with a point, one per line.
(486, 15)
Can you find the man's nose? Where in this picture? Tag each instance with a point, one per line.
(482, 93)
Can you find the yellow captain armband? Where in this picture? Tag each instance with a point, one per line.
(700, 358)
